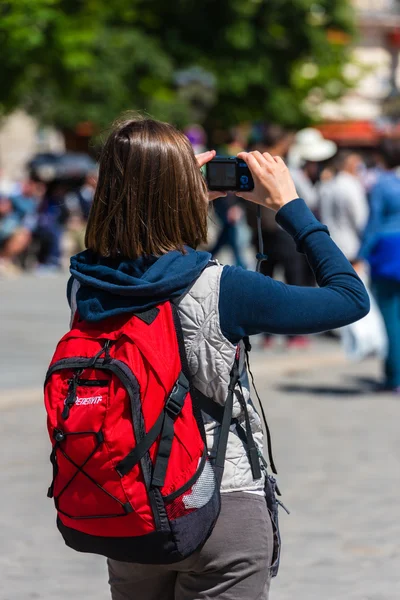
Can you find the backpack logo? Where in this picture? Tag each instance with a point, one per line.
(91, 400)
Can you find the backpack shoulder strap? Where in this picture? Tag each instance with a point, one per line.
(219, 464)
(186, 370)
(196, 401)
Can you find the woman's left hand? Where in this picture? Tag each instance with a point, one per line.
(203, 159)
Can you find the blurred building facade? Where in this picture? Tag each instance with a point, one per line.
(372, 108)
(20, 139)
(359, 118)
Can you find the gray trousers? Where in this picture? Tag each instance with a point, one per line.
(232, 565)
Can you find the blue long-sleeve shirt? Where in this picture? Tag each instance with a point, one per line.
(249, 302)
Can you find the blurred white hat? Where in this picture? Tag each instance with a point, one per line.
(309, 144)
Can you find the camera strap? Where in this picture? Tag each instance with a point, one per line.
(260, 256)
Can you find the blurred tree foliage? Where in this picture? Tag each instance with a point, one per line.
(222, 61)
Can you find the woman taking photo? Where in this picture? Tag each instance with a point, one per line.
(148, 218)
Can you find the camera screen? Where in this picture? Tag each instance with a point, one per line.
(222, 174)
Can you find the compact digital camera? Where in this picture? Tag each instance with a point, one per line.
(228, 173)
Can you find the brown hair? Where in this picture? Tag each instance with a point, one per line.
(150, 196)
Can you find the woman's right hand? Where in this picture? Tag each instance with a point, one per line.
(273, 184)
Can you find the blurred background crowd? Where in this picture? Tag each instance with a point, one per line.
(314, 81)
(44, 213)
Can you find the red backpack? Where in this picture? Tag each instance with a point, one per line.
(131, 475)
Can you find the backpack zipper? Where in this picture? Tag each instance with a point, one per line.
(71, 395)
(92, 382)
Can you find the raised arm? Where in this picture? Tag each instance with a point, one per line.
(251, 303)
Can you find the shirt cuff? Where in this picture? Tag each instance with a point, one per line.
(298, 221)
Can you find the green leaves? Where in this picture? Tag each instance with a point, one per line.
(240, 35)
(69, 61)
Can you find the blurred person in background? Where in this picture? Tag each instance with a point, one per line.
(84, 195)
(70, 180)
(13, 238)
(375, 167)
(343, 204)
(233, 225)
(197, 137)
(78, 204)
(29, 195)
(52, 218)
(307, 158)
(18, 217)
(381, 248)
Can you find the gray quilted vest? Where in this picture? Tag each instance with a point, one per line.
(210, 357)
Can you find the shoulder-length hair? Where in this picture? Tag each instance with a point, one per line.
(151, 196)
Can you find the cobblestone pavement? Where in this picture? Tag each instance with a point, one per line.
(336, 444)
